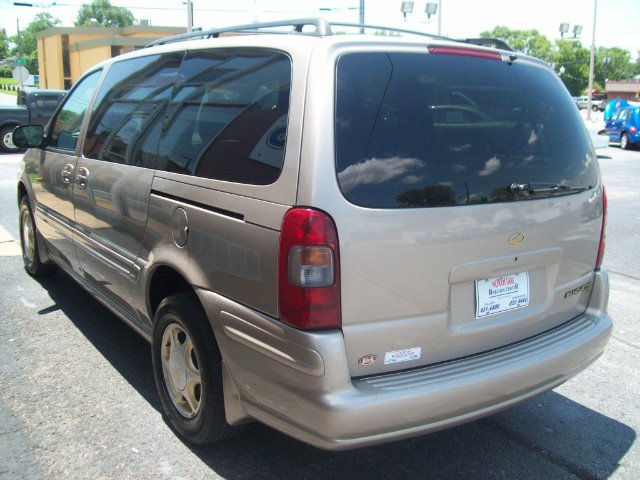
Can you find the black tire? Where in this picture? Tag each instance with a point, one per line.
(29, 243)
(625, 144)
(187, 367)
(6, 140)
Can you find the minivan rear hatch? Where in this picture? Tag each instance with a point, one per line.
(472, 209)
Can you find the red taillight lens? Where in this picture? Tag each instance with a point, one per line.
(602, 232)
(308, 271)
(633, 130)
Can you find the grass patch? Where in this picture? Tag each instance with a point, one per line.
(9, 85)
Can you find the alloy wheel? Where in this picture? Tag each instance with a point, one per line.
(181, 371)
(28, 238)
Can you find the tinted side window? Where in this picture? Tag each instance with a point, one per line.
(427, 130)
(65, 129)
(129, 109)
(228, 117)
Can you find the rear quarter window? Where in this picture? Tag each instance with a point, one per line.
(430, 130)
(228, 116)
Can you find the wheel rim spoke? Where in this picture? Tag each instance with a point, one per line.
(180, 369)
(8, 140)
(194, 380)
(176, 346)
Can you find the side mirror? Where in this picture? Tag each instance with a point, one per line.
(28, 136)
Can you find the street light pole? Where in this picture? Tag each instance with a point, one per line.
(439, 17)
(592, 60)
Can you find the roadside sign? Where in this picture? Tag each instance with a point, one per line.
(20, 74)
(19, 61)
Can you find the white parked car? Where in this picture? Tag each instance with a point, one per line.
(583, 102)
(597, 133)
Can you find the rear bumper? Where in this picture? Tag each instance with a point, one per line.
(299, 383)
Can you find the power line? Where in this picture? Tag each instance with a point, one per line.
(181, 9)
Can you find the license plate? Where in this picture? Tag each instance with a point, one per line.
(502, 294)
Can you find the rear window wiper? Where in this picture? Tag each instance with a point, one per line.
(534, 188)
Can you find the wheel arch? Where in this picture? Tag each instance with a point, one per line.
(165, 280)
(10, 124)
(42, 252)
(624, 133)
(22, 191)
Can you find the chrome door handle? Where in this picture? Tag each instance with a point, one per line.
(82, 177)
(67, 171)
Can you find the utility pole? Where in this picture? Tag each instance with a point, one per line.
(189, 16)
(592, 60)
(20, 61)
(19, 41)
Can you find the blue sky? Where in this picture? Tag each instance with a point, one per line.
(617, 21)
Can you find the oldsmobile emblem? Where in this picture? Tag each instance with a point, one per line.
(368, 360)
(516, 238)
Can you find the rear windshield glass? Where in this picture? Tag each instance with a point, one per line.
(428, 130)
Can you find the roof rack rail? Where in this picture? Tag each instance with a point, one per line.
(389, 29)
(322, 29)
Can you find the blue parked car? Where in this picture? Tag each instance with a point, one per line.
(624, 127)
(612, 107)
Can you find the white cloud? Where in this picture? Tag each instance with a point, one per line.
(379, 170)
(490, 166)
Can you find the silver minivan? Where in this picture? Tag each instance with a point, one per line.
(351, 238)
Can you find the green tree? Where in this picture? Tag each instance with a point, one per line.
(571, 59)
(529, 42)
(41, 21)
(567, 57)
(27, 43)
(4, 44)
(105, 14)
(612, 64)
